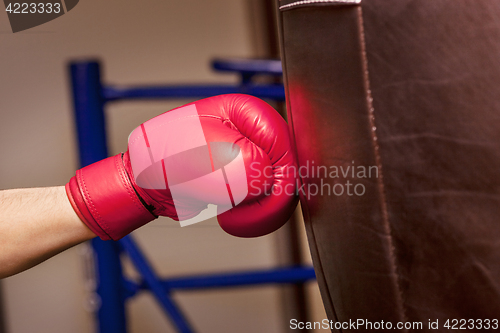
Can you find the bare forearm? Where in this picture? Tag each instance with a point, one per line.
(36, 224)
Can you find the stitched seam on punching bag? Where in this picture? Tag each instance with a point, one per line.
(305, 208)
(311, 2)
(380, 180)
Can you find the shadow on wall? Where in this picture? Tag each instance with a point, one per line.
(2, 317)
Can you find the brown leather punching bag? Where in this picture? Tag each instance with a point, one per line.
(405, 93)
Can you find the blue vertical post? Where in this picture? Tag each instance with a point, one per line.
(91, 128)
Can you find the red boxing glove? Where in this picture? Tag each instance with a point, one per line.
(227, 155)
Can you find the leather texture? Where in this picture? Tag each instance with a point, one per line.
(104, 198)
(411, 87)
(113, 200)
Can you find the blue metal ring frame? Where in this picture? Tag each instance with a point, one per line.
(113, 289)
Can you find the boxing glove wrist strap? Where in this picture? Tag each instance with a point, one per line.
(103, 197)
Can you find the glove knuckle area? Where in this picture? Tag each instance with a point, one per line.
(269, 161)
(239, 151)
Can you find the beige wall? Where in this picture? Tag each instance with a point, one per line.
(139, 42)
